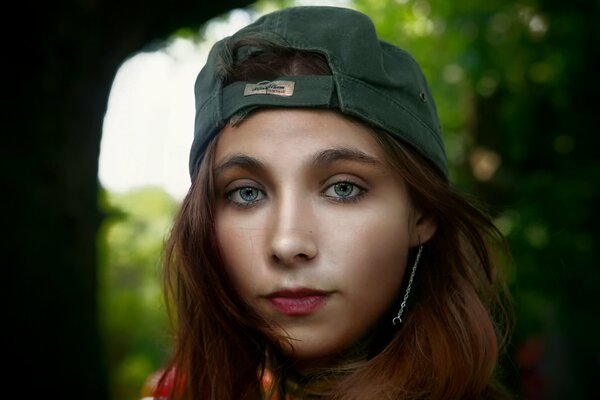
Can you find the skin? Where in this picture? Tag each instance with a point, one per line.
(307, 200)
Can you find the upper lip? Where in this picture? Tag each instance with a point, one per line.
(297, 293)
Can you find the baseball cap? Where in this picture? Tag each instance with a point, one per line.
(370, 79)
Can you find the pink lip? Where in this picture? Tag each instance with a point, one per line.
(298, 302)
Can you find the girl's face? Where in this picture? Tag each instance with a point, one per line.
(313, 225)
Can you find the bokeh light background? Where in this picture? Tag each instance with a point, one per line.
(517, 112)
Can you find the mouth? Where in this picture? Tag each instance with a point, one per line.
(298, 301)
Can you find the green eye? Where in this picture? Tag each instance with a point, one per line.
(344, 191)
(249, 193)
(245, 196)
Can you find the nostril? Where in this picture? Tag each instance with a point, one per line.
(300, 256)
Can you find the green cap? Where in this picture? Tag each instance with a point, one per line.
(372, 80)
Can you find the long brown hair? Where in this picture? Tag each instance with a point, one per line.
(448, 344)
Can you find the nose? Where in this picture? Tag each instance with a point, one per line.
(292, 240)
(293, 247)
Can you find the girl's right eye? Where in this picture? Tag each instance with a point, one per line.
(245, 196)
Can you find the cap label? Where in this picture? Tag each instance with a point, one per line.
(276, 88)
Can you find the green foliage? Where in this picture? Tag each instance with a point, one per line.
(515, 83)
(131, 303)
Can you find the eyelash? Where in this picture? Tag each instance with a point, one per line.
(231, 192)
(352, 199)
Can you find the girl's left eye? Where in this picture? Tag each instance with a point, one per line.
(344, 191)
(245, 196)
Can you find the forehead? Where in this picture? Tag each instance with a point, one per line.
(294, 133)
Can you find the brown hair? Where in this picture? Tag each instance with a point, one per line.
(448, 344)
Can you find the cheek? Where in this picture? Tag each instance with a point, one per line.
(239, 248)
(377, 241)
(369, 262)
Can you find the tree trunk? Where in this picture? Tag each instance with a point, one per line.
(62, 59)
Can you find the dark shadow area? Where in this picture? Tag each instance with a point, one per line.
(526, 107)
(62, 58)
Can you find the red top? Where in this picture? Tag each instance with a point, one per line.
(151, 390)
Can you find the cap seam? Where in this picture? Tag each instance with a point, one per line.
(208, 101)
(431, 131)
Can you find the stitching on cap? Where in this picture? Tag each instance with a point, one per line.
(208, 101)
(416, 118)
(431, 131)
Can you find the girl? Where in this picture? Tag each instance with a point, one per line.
(321, 252)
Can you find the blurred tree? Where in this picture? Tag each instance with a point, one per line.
(516, 86)
(62, 57)
(131, 302)
(516, 90)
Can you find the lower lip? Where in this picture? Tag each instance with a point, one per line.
(298, 306)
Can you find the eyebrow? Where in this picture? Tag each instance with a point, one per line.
(330, 156)
(321, 159)
(238, 161)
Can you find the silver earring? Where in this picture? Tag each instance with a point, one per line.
(398, 318)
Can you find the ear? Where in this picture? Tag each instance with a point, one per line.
(424, 227)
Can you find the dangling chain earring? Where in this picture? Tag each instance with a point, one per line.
(398, 318)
